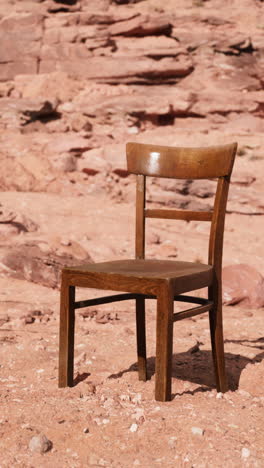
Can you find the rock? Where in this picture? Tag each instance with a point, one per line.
(105, 317)
(172, 442)
(52, 86)
(14, 176)
(149, 46)
(133, 70)
(142, 25)
(20, 222)
(28, 261)
(4, 318)
(20, 40)
(133, 427)
(40, 444)
(244, 285)
(197, 431)
(68, 143)
(64, 162)
(55, 6)
(20, 112)
(27, 319)
(235, 46)
(245, 453)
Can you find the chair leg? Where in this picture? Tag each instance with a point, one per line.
(164, 336)
(216, 329)
(141, 338)
(66, 346)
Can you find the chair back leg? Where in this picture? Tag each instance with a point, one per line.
(164, 338)
(141, 338)
(217, 340)
(66, 346)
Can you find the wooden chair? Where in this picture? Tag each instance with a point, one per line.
(164, 279)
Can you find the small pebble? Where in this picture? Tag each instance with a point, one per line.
(86, 430)
(40, 444)
(172, 442)
(245, 452)
(137, 398)
(197, 431)
(124, 397)
(133, 427)
(219, 395)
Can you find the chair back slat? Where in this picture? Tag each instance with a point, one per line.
(183, 163)
(179, 214)
(180, 163)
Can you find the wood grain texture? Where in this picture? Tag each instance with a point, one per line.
(192, 312)
(140, 216)
(217, 339)
(179, 214)
(141, 276)
(66, 339)
(180, 163)
(141, 338)
(164, 337)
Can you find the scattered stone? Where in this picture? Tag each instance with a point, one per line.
(4, 318)
(28, 319)
(172, 442)
(91, 387)
(125, 397)
(86, 430)
(105, 317)
(197, 431)
(137, 398)
(245, 453)
(133, 427)
(40, 444)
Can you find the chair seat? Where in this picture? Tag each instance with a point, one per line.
(199, 274)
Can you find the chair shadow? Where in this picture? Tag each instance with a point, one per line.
(197, 367)
(80, 378)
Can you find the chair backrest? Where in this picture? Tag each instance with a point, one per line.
(183, 163)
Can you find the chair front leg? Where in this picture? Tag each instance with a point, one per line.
(141, 338)
(217, 340)
(66, 346)
(164, 338)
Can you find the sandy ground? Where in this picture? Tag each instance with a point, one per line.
(109, 418)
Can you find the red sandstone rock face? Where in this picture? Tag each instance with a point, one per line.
(78, 79)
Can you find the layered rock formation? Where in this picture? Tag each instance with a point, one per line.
(78, 79)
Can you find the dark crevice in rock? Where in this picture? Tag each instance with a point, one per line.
(123, 2)
(60, 10)
(66, 2)
(34, 116)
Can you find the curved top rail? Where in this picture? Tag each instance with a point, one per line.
(179, 162)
